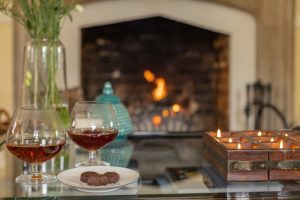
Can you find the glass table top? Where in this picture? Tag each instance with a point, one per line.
(169, 166)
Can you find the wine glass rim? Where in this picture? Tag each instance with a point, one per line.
(92, 102)
(30, 107)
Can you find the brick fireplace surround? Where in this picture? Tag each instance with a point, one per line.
(192, 62)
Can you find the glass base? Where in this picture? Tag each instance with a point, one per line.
(28, 179)
(94, 163)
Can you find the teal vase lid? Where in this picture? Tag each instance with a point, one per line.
(108, 95)
(125, 125)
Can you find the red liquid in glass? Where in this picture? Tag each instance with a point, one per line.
(93, 140)
(35, 153)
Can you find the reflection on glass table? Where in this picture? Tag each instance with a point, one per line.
(167, 166)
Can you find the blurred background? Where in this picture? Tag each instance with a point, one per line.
(177, 65)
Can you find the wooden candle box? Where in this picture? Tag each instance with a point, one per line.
(253, 156)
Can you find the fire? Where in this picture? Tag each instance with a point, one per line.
(176, 108)
(165, 113)
(160, 91)
(286, 135)
(281, 144)
(219, 133)
(156, 120)
(259, 133)
(230, 140)
(239, 146)
(272, 139)
(149, 76)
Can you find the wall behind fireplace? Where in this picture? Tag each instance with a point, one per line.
(6, 63)
(275, 57)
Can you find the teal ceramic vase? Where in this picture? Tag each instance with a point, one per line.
(117, 153)
(125, 125)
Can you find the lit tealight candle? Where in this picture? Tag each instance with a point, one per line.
(259, 133)
(230, 139)
(218, 133)
(272, 139)
(239, 146)
(281, 144)
(286, 135)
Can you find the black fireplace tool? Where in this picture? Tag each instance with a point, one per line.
(259, 102)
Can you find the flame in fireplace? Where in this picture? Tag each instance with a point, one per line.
(160, 91)
(156, 120)
(176, 108)
(165, 113)
(149, 76)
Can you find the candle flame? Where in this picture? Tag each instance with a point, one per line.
(286, 135)
(281, 144)
(218, 133)
(259, 133)
(239, 146)
(230, 140)
(272, 139)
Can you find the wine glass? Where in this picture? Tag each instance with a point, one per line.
(35, 136)
(92, 126)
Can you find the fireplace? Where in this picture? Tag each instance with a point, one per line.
(170, 75)
(238, 25)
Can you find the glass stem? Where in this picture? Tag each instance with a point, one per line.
(92, 156)
(36, 172)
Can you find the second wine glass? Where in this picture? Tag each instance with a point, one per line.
(35, 136)
(92, 126)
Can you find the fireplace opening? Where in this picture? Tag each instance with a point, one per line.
(170, 75)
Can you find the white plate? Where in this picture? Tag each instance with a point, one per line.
(71, 178)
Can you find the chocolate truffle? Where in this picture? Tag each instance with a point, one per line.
(112, 177)
(97, 180)
(85, 175)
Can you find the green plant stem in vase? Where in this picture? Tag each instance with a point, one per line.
(45, 76)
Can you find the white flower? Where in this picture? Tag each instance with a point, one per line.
(10, 5)
(79, 8)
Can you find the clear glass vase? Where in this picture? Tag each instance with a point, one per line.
(45, 82)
